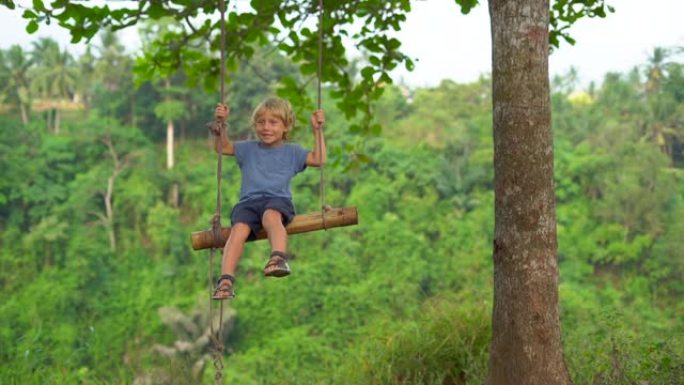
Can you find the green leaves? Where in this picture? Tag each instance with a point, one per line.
(29, 14)
(32, 26)
(8, 3)
(38, 5)
(467, 5)
(564, 13)
(180, 48)
(170, 110)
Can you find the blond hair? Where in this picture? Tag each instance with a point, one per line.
(281, 108)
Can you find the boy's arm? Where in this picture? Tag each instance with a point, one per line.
(222, 144)
(317, 157)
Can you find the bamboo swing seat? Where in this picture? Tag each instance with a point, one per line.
(304, 223)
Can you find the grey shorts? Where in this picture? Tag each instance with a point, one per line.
(251, 211)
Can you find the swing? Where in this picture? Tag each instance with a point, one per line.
(328, 217)
(216, 237)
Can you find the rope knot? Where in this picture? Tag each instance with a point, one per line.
(216, 228)
(216, 222)
(216, 127)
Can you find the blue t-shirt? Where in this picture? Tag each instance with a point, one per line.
(267, 171)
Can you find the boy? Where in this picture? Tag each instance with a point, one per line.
(267, 165)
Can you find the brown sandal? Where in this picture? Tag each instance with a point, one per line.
(277, 266)
(224, 291)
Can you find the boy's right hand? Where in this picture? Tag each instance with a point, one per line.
(222, 111)
(220, 115)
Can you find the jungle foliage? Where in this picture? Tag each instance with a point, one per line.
(100, 286)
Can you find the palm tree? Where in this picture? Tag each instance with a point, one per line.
(113, 70)
(43, 49)
(55, 76)
(86, 76)
(113, 64)
(655, 69)
(665, 115)
(14, 66)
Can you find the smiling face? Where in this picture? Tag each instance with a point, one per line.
(270, 128)
(272, 121)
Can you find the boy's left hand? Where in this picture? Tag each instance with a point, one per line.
(317, 120)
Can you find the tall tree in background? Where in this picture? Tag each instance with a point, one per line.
(526, 340)
(14, 66)
(116, 92)
(86, 78)
(666, 114)
(55, 78)
(118, 166)
(170, 110)
(41, 52)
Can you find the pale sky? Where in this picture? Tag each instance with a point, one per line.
(448, 45)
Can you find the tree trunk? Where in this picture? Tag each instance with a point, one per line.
(526, 344)
(174, 196)
(173, 193)
(57, 120)
(117, 168)
(24, 103)
(134, 119)
(24, 113)
(169, 145)
(48, 118)
(109, 209)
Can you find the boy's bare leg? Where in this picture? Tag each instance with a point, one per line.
(277, 266)
(232, 251)
(272, 220)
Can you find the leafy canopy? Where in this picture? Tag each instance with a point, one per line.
(290, 26)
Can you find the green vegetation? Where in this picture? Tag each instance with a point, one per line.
(100, 286)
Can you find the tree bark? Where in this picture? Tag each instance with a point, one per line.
(134, 118)
(58, 119)
(48, 119)
(169, 145)
(526, 346)
(174, 196)
(117, 168)
(24, 113)
(109, 210)
(173, 193)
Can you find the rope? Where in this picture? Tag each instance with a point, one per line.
(321, 185)
(216, 337)
(320, 51)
